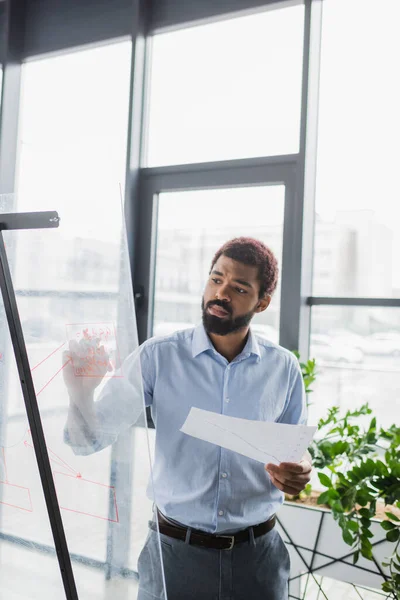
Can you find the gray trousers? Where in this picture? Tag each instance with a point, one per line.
(254, 570)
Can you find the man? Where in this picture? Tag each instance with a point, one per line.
(215, 508)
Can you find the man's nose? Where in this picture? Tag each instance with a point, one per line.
(223, 293)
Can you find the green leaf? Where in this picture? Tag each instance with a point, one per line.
(392, 517)
(356, 556)
(364, 512)
(348, 538)
(343, 480)
(340, 447)
(364, 469)
(387, 525)
(367, 533)
(333, 494)
(366, 549)
(380, 468)
(353, 526)
(369, 467)
(324, 479)
(393, 536)
(362, 498)
(323, 498)
(355, 474)
(337, 506)
(341, 519)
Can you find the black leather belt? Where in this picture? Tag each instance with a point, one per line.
(209, 540)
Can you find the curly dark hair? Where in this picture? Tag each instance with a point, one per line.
(255, 253)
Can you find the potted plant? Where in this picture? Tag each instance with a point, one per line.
(359, 465)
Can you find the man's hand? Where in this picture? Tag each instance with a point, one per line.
(85, 365)
(290, 478)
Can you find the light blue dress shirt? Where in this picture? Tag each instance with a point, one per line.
(197, 483)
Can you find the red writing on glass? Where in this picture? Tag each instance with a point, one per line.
(16, 496)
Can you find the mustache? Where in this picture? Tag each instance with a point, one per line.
(224, 305)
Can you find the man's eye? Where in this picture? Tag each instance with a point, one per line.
(215, 280)
(241, 291)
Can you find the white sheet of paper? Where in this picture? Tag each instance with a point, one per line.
(264, 441)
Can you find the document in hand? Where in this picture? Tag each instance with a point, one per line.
(266, 442)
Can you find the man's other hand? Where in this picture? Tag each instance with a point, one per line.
(290, 478)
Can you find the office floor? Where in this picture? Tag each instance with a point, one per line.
(27, 575)
(331, 589)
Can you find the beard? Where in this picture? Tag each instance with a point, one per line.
(226, 325)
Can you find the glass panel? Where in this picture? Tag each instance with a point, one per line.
(25, 533)
(69, 333)
(357, 240)
(225, 90)
(73, 135)
(73, 289)
(191, 227)
(358, 357)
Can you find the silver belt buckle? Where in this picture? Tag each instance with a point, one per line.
(231, 538)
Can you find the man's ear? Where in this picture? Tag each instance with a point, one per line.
(263, 303)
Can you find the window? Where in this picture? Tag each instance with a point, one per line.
(72, 140)
(73, 136)
(357, 350)
(191, 227)
(229, 89)
(357, 234)
(357, 213)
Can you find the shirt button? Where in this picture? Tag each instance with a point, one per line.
(227, 400)
(220, 512)
(224, 475)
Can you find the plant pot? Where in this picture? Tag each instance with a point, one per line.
(315, 543)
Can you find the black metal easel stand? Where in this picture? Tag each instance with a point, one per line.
(36, 220)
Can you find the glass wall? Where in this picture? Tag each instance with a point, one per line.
(73, 289)
(357, 233)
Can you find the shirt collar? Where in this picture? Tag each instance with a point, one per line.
(201, 343)
(252, 346)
